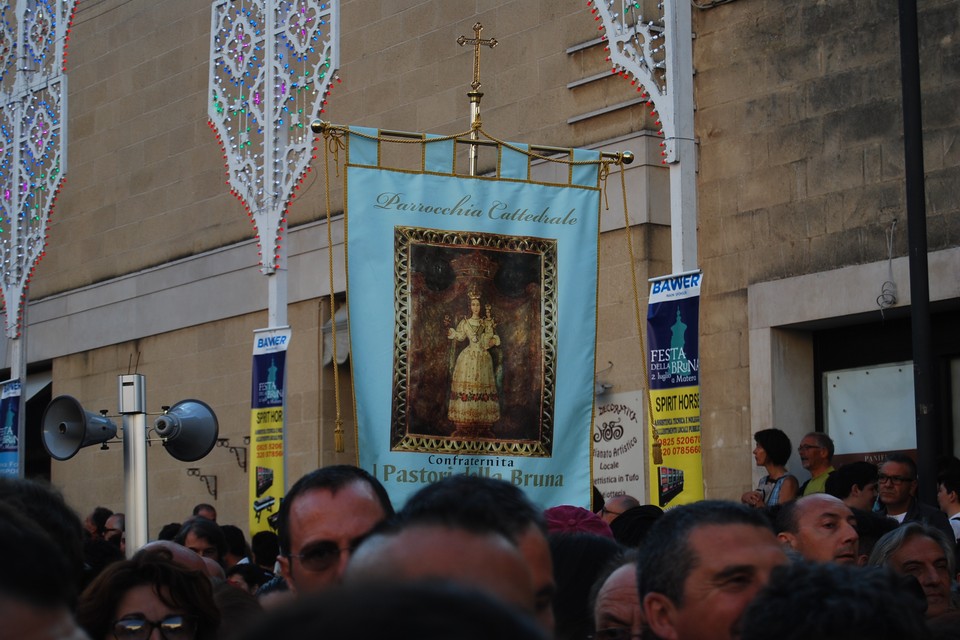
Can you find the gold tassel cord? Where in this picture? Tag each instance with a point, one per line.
(338, 436)
(338, 131)
(335, 143)
(655, 437)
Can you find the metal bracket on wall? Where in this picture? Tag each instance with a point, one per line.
(235, 450)
(209, 480)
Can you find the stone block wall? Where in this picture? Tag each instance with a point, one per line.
(801, 140)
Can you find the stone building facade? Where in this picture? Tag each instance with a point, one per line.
(152, 266)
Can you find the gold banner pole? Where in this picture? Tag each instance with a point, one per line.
(475, 94)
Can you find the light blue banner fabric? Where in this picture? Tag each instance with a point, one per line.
(363, 149)
(515, 164)
(438, 156)
(472, 305)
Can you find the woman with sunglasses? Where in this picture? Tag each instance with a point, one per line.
(132, 599)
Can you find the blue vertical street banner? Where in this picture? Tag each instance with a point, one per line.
(9, 437)
(673, 364)
(472, 305)
(268, 396)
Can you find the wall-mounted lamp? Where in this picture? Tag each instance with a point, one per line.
(210, 481)
(239, 452)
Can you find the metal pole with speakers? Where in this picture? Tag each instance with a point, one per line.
(188, 431)
(133, 401)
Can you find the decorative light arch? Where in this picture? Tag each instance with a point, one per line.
(272, 65)
(657, 53)
(34, 35)
(636, 49)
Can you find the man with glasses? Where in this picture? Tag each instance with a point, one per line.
(898, 488)
(615, 506)
(323, 518)
(816, 456)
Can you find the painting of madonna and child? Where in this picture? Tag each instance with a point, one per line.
(475, 344)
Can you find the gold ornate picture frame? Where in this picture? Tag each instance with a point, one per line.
(475, 343)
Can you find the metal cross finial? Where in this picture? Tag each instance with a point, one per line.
(476, 42)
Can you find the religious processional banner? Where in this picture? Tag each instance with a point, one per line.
(9, 426)
(266, 426)
(472, 308)
(673, 330)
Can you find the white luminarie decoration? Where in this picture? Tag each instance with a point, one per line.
(271, 67)
(636, 48)
(33, 120)
(658, 54)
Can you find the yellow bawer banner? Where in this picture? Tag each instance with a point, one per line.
(267, 400)
(472, 306)
(673, 336)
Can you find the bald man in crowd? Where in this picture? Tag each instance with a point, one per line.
(615, 506)
(477, 503)
(475, 558)
(820, 527)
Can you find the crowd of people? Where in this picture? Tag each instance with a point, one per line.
(850, 554)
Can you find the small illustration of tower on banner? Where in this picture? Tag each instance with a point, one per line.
(8, 439)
